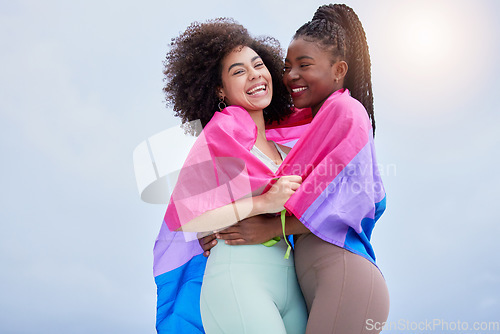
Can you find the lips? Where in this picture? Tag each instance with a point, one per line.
(256, 89)
(297, 90)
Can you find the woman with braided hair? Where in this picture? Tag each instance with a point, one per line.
(344, 290)
(327, 68)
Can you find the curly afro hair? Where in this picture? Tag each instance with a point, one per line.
(193, 69)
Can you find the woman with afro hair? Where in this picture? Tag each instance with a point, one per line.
(216, 73)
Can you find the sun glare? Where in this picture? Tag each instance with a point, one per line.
(435, 51)
(424, 35)
(424, 49)
(427, 39)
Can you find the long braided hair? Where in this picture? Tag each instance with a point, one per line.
(338, 29)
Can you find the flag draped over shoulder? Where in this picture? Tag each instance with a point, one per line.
(218, 170)
(342, 195)
(289, 131)
(340, 199)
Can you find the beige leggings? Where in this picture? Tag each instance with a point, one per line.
(344, 292)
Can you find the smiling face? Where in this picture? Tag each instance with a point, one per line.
(246, 81)
(310, 75)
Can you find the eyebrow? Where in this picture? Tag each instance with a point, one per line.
(241, 64)
(300, 58)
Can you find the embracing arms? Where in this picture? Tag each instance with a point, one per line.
(253, 230)
(270, 202)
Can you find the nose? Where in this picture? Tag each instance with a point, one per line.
(254, 74)
(292, 74)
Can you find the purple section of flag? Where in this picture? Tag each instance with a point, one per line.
(171, 250)
(347, 200)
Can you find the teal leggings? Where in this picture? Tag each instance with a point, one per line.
(251, 290)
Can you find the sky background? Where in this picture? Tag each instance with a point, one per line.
(81, 86)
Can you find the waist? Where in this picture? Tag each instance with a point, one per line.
(310, 250)
(255, 254)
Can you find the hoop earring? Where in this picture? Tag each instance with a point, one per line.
(223, 103)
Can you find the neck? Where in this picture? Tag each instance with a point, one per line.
(258, 118)
(316, 108)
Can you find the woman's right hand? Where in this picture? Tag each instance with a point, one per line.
(207, 243)
(275, 198)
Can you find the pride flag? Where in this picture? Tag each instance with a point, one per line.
(340, 199)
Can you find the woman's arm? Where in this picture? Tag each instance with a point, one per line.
(258, 229)
(270, 202)
(252, 231)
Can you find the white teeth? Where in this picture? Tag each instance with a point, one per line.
(300, 89)
(254, 90)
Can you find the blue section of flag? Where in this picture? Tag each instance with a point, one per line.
(380, 208)
(359, 243)
(178, 305)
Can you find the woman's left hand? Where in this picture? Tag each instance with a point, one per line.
(251, 231)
